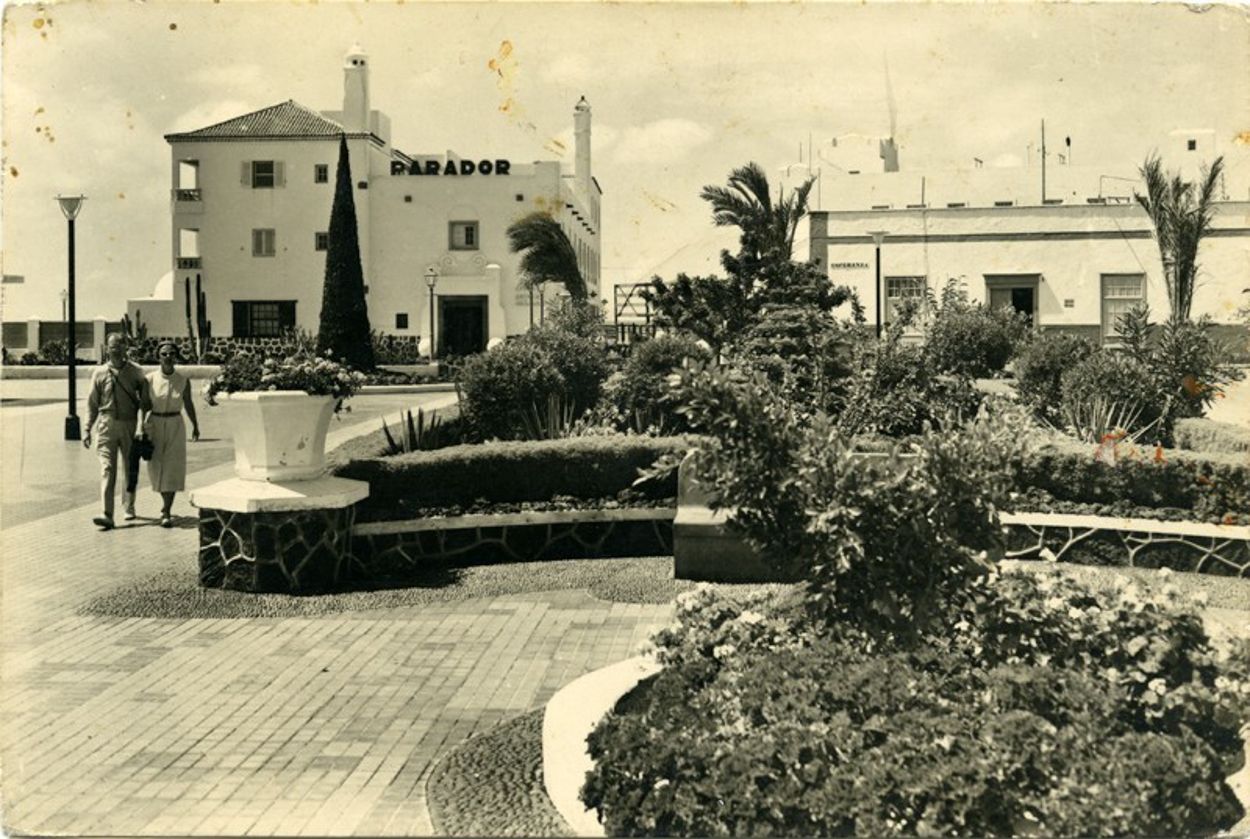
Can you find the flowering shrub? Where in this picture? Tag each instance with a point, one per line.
(763, 724)
(317, 376)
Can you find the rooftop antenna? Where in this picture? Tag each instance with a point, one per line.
(889, 98)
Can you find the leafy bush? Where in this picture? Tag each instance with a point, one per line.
(1040, 365)
(885, 542)
(581, 467)
(29, 359)
(638, 396)
(1189, 366)
(897, 392)
(1204, 435)
(761, 725)
(1108, 393)
(510, 387)
(971, 339)
(53, 352)
(802, 350)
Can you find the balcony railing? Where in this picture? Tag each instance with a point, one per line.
(192, 262)
(187, 195)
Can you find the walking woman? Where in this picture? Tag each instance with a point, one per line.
(171, 395)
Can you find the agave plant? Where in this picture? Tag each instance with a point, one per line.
(417, 435)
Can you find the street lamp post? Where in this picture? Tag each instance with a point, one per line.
(70, 205)
(878, 236)
(431, 280)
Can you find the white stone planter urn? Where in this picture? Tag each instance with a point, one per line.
(279, 435)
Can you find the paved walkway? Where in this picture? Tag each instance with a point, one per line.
(322, 725)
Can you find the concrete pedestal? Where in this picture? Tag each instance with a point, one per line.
(292, 537)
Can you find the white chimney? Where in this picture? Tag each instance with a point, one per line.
(581, 130)
(356, 90)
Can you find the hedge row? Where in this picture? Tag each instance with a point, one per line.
(1213, 486)
(581, 467)
(1204, 435)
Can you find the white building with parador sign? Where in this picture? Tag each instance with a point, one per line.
(251, 201)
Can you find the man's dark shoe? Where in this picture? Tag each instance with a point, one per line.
(103, 522)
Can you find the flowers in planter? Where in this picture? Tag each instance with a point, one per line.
(315, 375)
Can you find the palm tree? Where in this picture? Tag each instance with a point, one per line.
(548, 255)
(746, 203)
(1181, 213)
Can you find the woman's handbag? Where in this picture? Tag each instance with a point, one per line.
(145, 447)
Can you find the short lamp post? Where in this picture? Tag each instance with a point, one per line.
(431, 280)
(878, 236)
(70, 205)
(64, 298)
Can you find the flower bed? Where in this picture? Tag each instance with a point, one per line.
(1050, 710)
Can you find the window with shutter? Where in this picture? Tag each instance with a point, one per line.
(265, 174)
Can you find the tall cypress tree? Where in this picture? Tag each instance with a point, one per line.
(344, 327)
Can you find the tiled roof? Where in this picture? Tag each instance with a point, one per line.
(287, 119)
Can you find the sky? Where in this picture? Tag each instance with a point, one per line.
(681, 95)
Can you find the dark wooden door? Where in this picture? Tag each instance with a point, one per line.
(463, 325)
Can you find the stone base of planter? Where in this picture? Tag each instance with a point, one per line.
(704, 547)
(707, 550)
(292, 537)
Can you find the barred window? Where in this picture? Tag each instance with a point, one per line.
(900, 289)
(1120, 294)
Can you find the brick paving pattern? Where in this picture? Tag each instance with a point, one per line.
(323, 725)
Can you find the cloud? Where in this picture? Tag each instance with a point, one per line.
(232, 77)
(211, 113)
(662, 141)
(570, 69)
(563, 145)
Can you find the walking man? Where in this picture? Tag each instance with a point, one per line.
(119, 391)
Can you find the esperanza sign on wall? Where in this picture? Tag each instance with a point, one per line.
(452, 167)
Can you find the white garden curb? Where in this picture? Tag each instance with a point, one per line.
(568, 720)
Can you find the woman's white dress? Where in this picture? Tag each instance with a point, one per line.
(168, 467)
